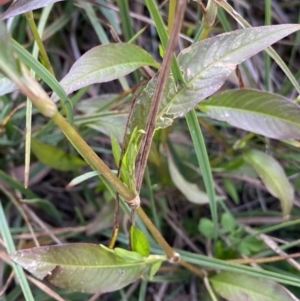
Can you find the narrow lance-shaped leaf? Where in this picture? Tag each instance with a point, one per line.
(116, 149)
(82, 178)
(22, 6)
(129, 159)
(105, 63)
(274, 178)
(238, 287)
(139, 241)
(87, 268)
(259, 112)
(205, 66)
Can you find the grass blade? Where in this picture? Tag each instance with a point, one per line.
(10, 247)
(203, 161)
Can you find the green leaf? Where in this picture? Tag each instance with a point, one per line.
(129, 159)
(260, 112)
(116, 149)
(206, 227)
(83, 267)
(139, 241)
(206, 65)
(154, 268)
(22, 6)
(231, 190)
(274, 178)
(55, 157)
(83, 178)
(128, 255)
(238, 287)
(228, 223)
(244, 248)
(142, 106)
(255, 245)
(105, 63)
(190, 190)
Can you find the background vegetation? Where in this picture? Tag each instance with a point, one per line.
(250, 220)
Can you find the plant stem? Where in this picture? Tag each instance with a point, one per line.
(97, 164)
(209, 289)
(45, 58)
(192, 268)
(267, 59)
(163, 36)
(45, 105)
(171, 254)
(153, 9)
(209, 18)
(92, 158)
(157, 97)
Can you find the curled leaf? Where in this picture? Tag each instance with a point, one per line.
(274, 178)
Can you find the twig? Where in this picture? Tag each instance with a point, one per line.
(161, 83)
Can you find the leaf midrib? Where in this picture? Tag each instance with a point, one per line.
(189, 83)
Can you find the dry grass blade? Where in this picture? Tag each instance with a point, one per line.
(46, 289)
(274, 246)
(7, 284)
